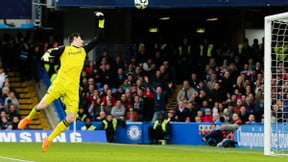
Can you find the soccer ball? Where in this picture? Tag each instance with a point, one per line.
(141, 4)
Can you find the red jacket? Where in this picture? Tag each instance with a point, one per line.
(113, 100)
(133, 116)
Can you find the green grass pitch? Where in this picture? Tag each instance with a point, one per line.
(86, 152)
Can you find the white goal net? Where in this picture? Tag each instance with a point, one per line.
(276, 85)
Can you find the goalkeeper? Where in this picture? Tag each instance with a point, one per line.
(72, 58)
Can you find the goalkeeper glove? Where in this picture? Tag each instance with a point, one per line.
(100, 16)
(46, 56)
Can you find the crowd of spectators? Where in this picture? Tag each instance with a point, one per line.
(230, 89)
(9, 104)
(16, 54)
(220, 83)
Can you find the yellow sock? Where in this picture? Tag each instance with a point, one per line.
(62, 126)
(33, 113)
(101, 23)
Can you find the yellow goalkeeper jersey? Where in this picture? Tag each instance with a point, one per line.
(71, 61)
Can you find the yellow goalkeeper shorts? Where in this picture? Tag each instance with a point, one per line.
(70, 92)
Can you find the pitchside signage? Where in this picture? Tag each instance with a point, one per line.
(252, 136)
(38, 135)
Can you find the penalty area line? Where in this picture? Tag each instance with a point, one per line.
(14, 159)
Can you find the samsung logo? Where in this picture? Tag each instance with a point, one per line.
(38, 137)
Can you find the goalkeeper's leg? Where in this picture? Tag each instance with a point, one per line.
(35, 110)
(50, 96)
(61, 127)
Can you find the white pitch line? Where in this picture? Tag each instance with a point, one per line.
(171, 147)
(14, 159)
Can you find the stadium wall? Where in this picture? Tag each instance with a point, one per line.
(137, 132)
(247, 136)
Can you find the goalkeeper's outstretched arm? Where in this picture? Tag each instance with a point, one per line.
(52, 53)
(100, 33)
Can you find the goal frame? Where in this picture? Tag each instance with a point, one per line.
(267, 80)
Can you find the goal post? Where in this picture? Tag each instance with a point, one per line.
(275, 96)
(267, 83)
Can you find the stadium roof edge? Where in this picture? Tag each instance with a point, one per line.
(171, 3)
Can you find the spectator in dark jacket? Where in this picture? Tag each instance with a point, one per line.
(217, 95)
(227, 83)
(119, 77)
(181, 111)
(138, 107)
(194, 80)
(160, 99)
